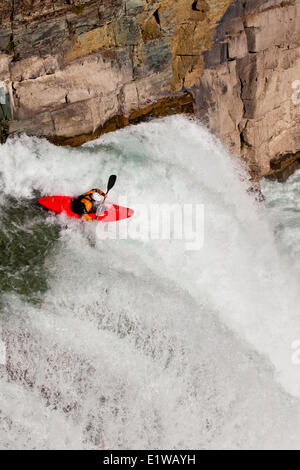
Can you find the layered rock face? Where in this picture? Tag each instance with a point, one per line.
(249, 92)
(74, 69)
(77, 68)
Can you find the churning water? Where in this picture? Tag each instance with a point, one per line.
(141, 344)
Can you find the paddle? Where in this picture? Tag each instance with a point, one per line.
(111, 182)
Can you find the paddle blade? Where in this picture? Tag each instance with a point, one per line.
(111, 182)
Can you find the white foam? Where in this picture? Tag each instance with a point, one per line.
(145, 345)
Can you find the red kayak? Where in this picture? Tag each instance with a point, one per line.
(59, 204)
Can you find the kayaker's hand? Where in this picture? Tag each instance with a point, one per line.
(87, 217)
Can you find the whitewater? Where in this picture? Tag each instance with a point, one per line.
(142, 344)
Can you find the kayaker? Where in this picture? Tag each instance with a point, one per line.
(92, 201)
(89, 203)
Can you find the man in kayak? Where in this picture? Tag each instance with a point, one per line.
(92, 201)
(89, 203)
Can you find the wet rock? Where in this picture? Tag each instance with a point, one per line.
(283, 166)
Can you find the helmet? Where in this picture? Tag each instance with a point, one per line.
(96, 197)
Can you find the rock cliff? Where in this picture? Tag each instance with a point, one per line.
(249, 92)
(70, 70)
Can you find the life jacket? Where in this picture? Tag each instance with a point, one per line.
(87, 200)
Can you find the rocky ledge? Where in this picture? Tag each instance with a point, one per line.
(70, 70)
